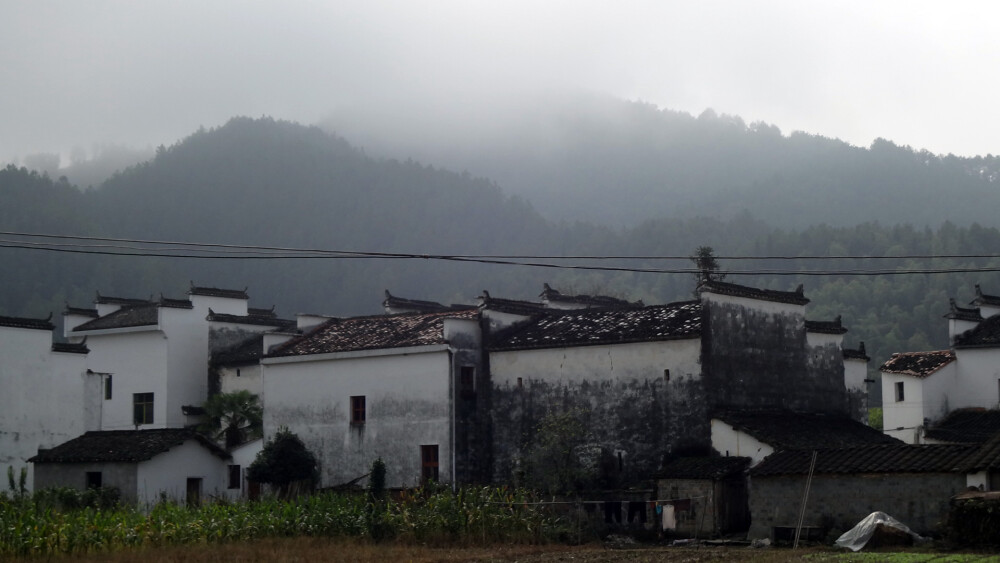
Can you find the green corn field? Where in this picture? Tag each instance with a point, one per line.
(61, 523)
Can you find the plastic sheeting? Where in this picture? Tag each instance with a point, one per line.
(858, 536)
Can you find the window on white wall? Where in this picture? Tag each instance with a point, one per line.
(900, 395)
(142, 408)
(107, 387)
(359, 412)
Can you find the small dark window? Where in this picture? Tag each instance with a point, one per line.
(899, 392)
(666, 375)
(237, 372)
(142, 408)
(467, 382)
(428, 463)
(520, 383)
(95, 480)
(234, 477)
(358, 414)
(107, 387)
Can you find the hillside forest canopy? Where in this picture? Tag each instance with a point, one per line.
(264, 182)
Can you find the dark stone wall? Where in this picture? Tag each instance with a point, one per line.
(759, 359)
(838, 502)
(643, 419)
(472, 422)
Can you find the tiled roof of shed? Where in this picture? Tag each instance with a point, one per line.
(889, 458)
(716, 467)
(826, 327)
(986, 457)
(793, 297)
(856, 354)
(258, 320)
(783, 429)
(918, 364)
(984, 335)
(23, 322)
(602, 326)
(971, 425)
(217, 292)
(258, 312)
(128, 316)
(983, 299)
(550, 294)
(123, 446)
(370, 333)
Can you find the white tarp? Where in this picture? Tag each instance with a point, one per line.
(856, 538)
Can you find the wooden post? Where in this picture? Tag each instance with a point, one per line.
(805, 498)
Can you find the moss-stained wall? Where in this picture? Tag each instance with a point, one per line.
(757, 357)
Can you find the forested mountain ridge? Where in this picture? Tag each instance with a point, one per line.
(274, 183)
(613, 162)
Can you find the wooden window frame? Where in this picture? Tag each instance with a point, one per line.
(430, 466)
(235, 476)
(142, 408)
(359, 410)
(900, 392)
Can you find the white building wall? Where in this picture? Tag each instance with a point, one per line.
(241, 378)
(42, 397)
(729, 441)
(187, 359)
(168, 473)
(581, 363)
(855, 374)
(407, 394)
(978, 382)
(137, 360)
(903, 419)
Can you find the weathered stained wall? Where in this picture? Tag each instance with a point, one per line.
(74, 475)
(855, 376)
(755, 355)
(167, 474)
(407, 394)
(838, 502)
(620, 391)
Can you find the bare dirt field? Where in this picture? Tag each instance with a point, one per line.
(311, 550)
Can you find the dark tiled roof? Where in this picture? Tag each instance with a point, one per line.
(123, 446)
(71, 348)
(983, 299)
(417, 305)
(80, 311)
(972, 425)
(248, 351)
(108, 300)
(918, 364)
(856, 354)
(257, 312)
(986, 457)
(889, 458)
(961, 314)
(703, 467)
(216, 292)
(984, 335)
(826, 327)
(259, 320)
(602, 326)
(794, 297)
(783, 430)
(550, 294)
(127, 316)
(509, 305)
(175, 303)
(371, 333)
(23, 322)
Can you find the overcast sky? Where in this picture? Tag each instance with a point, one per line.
(144, 73)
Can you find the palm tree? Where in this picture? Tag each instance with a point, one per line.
(235, 417)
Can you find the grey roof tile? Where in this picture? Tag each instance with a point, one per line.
(918, 364)
(123, 446)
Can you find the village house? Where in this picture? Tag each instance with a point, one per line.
(921, 388)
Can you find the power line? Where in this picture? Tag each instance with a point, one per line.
(215, 251)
